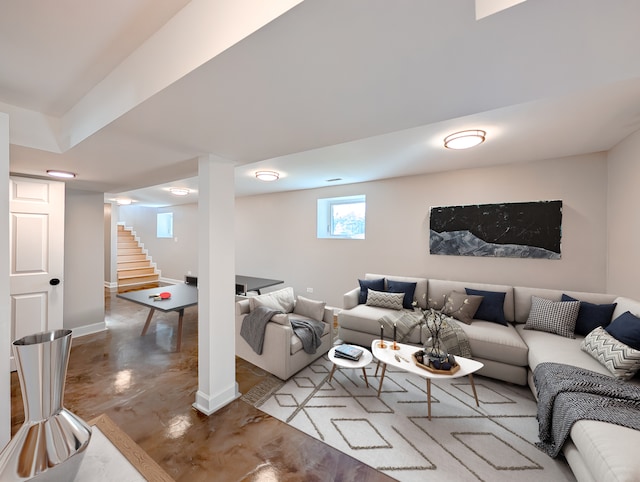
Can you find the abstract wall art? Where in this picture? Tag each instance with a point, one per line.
(510, 230)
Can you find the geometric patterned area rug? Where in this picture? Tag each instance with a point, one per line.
(462, 442)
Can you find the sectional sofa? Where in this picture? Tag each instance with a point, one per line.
(596, 451)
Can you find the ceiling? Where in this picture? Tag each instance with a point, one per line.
(129, 93)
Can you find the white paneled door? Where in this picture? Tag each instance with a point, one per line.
(37, 256)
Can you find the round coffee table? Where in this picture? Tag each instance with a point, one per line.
(364, 360)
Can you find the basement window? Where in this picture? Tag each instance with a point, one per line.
(342, 217)
(164, 226)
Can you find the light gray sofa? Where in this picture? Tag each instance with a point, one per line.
(283, 354)
(596, 451)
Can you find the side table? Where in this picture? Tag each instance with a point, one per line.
(364, 360)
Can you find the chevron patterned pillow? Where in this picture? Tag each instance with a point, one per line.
(383, 299)
(621, 360)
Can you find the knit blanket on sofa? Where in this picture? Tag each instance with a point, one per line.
(254, 326)
(567, 394)
(453, 339)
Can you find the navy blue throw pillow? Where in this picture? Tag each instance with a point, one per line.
(626, 328)
(403, 287)
(492, 306)
(591, 316)
(366, 284)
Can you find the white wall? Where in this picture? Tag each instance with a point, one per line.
(84, 261)
(623, 226)
(275, 234)
(173, 257)
(5, 313)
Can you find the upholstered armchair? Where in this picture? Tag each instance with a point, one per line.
(283, 354)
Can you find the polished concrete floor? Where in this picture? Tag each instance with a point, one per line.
(147, 389)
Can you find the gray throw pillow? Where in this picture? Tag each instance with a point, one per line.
(461, 306)
(557, 317)
(383, 299)
(310, 308)
(620, 359)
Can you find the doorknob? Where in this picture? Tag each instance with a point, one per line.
(54, 281)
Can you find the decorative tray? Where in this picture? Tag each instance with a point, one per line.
(431, 369)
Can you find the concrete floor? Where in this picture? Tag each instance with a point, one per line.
(147, 389)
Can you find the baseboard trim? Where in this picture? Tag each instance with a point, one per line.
(88, 329)
(210, 404)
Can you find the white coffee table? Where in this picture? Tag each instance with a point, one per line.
(364, 360)
(402, 358)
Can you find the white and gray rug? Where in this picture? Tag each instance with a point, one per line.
(462, 442)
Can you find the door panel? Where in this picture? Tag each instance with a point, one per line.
(37, 255)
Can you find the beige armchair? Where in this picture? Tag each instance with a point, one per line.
(283, 354)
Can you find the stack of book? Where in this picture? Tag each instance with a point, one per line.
(349, 352)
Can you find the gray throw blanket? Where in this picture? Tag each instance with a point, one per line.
(254, 325)
(567, 394)
(453, 339)
(309, 331)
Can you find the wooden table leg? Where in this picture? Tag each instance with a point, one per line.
(473, 386)
(429, 397)
(332, 370)
(180, 317)
(146, 325)
(377, 366)
(384, 369)
(365, 377)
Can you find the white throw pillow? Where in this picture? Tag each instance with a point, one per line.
(309, 308)
(620, 359)
(282, 300)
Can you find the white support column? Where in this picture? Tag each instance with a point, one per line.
(5, 313)
(216, 285)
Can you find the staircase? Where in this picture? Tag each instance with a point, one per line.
(135, 270)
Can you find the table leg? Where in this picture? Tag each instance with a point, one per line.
(429, 397)
(180, 317)
(377, 366)
(146, 324)
(332, 370)
(473, 386)
(365, 377)
(384, 369)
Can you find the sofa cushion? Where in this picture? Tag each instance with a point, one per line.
(461, 306)
(492, 306)
(591, 315)
(282, 300)
(383, 299)
(621, 360)
(549, 347)
(626, 328)
(553, 316)
(366, 284)
(492, 341)
(310, 308)
(408, 288)
(609, 451)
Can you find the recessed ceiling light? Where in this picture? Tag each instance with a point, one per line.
(61, 174)
(123, 201)
(179, 191)
(464, 139)
(267, 175)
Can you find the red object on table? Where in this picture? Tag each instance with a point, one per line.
(165, 295)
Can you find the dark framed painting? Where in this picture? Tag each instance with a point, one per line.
(510, 230)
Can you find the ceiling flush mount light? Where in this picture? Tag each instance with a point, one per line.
(267, 175)
(61, 174)
(123, 201)
(464, 139)
(179, 191)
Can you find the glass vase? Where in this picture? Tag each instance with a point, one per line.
(52, 442)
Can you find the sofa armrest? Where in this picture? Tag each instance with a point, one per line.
(351, 299)
(242, 307)
(329, 311)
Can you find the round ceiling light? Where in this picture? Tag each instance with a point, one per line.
(123, 201)
(464, 139)
(179, 191)
(61, 174)
(267, 175)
